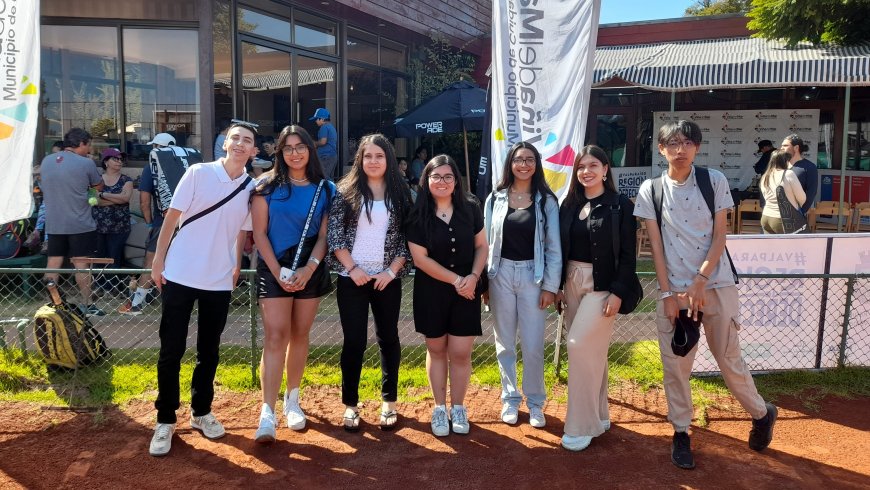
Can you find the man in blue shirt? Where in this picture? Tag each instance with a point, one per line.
(327, 142)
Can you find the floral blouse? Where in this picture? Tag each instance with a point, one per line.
(338, 236)
(114, 218)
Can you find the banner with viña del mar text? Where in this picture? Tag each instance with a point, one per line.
(19, 98)
(542, 60)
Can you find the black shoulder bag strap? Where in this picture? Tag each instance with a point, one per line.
(212, 208)
(307, 225)
(705, 185)
(614, 227)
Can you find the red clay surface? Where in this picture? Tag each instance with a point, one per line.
(44, 448)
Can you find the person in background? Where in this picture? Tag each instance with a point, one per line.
(778, 174)
(524, 264)
(219, 151)
(202, 272)
(39, 231)
(806, 171)
(327, 141)
(448, 244)
(765, 147)
(592, 288)
(112, 212)
(417, 164)
(67, 178)
(289, 298)
(367, 248)
(152, 193)
(694, 275)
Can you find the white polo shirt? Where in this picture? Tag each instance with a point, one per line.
(203, 253)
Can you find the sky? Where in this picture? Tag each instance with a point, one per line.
(613, 11)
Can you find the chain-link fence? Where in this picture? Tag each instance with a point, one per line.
(787, 322)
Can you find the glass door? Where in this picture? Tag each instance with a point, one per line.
(267, 93)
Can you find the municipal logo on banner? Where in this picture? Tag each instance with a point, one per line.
(19, 99)
(543, 53)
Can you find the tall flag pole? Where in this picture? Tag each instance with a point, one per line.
(543, 53)
(484, 182)
(19, 105)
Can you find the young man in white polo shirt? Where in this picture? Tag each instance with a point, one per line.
(694, 274)
(201, 266)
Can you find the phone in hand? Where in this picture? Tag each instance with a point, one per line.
(285, 274)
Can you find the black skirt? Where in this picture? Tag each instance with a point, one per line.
(320, 284)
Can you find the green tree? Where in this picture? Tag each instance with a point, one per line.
(817, 21)
(439, 64)
(718, 7)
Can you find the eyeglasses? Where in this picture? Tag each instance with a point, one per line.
(300, 149)
(676, 144)
(446, 178)
(528, 161)
(117, 158)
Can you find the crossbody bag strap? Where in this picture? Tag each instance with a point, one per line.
(614, 231)
(307, 224)
(218, 205)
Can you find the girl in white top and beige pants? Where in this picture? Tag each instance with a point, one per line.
(778, 173)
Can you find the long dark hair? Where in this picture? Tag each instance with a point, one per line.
(778, 160)
(576, 194)
(355, 185)
(424, 207)
(540, 189)
(279, 175)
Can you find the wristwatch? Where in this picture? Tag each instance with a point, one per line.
(666, 294)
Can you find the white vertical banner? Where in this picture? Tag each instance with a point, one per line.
(542, 62)
(19, 109)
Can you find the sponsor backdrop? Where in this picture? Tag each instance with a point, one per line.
(542, 62)
(779, 319)
(730, 142)
(19, 96)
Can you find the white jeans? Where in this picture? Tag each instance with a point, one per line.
(514, 298)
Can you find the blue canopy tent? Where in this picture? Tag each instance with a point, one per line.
(459, 108)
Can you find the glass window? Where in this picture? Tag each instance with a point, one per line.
(113, 9)
(314, 33)
(267, 88)
(80, 83)
(161, 88)
(363, 105)
(317, 87)
(610, 136)
(263, 25)
(223, 69)
(362, 46)
(393, 55)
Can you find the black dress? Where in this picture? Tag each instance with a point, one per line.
(438, 309)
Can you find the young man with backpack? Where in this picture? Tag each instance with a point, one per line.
(685, 211)
(166, 164)
(211, 201)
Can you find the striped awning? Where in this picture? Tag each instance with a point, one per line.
(277, 79)
(731, 63)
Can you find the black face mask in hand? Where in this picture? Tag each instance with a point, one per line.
(687, 332)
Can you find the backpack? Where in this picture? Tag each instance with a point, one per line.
(705, 185)
(65, 337)
(167, 166)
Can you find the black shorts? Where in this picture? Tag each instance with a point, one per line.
(439, 311)
(319, 285)
(74, 245)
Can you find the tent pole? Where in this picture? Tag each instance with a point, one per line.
(845, 154)
(467, 167)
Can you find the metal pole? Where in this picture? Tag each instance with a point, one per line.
(467, 167)
(844, 155)
(850, 289)
(673, 99)
(252, 306)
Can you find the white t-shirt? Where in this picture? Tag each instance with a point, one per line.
(368, 245)
(687, 227)
(203, 253)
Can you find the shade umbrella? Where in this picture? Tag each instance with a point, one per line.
(459, 108)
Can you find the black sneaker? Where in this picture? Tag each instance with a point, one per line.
(762, 429)
(681, 451)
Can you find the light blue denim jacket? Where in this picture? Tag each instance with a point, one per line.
(548, 248)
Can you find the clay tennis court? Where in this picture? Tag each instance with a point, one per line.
(46, 448)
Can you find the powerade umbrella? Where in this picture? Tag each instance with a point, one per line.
(459, 108)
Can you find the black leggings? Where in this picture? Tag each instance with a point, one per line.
(353, 308)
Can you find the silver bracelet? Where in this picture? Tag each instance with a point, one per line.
(456, 281)
(314, 259)
(390, 272)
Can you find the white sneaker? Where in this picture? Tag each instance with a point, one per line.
(208, 425)
(266, 431)
(440, 426)
(292, 411)
(459, 419)
(576, 443)
(536, 417)
(605, 423)
(509, 414)
(161, 443)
